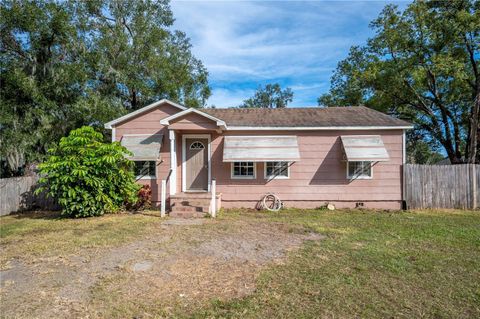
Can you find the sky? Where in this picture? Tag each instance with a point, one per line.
(244, 44)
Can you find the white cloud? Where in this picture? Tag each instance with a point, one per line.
(244, 43)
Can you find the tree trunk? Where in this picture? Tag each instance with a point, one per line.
(133, 100)
(474, 128)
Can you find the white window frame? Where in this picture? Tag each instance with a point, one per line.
(139, 177)
(270, 177)
(362, 176)
(243, 177)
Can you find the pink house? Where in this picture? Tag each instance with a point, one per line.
(347, 156)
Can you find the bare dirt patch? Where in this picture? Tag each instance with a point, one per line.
(185, 264)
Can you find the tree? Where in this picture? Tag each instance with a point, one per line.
(270, 96)
(43, 80)
(421, 65)
(65, 64)
(87, 176)
(138, 59)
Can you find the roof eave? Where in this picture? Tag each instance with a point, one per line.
(316, 128)
(111, 124)
(220, 123)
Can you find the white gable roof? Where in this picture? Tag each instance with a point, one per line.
(166, 121)
(110, 124)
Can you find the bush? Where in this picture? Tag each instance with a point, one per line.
(144, 198)
(87, 176)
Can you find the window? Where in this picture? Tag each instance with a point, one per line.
(277, 170)
(243, 170)
(197, 146)
(359, 170)
(145, 169)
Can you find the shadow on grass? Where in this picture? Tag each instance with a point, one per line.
(39, 214)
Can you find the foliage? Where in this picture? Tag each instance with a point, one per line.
(421, 65)
(137, 58)
(87, 176)
(65, 64)
(144, 195)
(270, 96)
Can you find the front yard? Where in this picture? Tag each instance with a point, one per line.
(243, 264)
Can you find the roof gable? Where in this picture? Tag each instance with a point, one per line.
(145, 109)
(172, 118)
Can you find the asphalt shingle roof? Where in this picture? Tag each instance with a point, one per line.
(305, 117)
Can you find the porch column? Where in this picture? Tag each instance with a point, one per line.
(173, 163)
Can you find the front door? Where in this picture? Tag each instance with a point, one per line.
(196, 166)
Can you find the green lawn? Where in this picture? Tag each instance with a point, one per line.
(371, 264)
(43, 234)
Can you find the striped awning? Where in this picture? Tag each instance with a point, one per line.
(144, 147)
(260, 149)
(364, 148)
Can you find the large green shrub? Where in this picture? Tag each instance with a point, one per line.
(87, 176)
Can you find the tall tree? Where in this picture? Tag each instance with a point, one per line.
(423, 65)
(270, 96)
(138, 59)
(65, 64)
(43, 79)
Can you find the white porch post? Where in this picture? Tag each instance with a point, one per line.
(213, 202)
(173, 163)
(163, 198)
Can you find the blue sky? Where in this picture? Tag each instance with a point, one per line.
(298, 44)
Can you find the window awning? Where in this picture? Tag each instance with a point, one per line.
(364, 148)
(144, 147)
(260, 149)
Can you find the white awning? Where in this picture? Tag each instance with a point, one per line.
(364, 148)
(260, 149)
(144, 147)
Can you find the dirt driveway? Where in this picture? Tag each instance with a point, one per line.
(185, 264)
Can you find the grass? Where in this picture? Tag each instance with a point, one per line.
(46, 234)
(373, 265)
(423, 264)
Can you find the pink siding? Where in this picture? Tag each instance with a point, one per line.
(193, 121)
(149, 123)
(319, 177)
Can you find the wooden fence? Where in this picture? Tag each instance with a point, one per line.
(16, 194)
(442, 186)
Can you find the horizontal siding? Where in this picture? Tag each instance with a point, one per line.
(320, 175)
(149, 123)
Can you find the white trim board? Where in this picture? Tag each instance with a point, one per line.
(219, 122)
(109, 125)
(314, 128)
(184, 159)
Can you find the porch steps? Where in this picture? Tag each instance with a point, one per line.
(190, 205)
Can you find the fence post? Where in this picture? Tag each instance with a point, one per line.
(474, 186)
(213, 203)
(163, 198)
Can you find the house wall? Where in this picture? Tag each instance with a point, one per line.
(320, 175)
(192, 121)
(149, 123)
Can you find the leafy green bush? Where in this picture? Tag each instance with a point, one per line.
(87, 176)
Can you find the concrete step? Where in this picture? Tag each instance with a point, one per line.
(180, 214)
(205, 195)
(187, 209)
(195, 203)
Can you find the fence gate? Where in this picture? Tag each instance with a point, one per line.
(442, 186)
